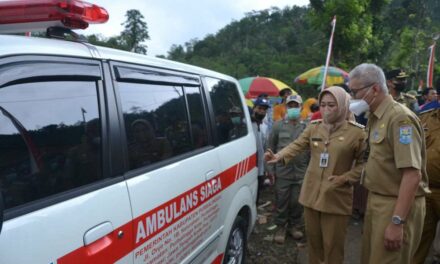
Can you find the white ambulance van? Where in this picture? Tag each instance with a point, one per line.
(114, 157)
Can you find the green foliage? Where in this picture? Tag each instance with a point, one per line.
(283, 43)
(115, 42)
(354, 27)
(277, 43)
(135, 32)
(130, 39)
(407, 31)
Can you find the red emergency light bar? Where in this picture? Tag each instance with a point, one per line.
(39, 14)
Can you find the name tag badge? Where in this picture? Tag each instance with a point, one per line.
(323, 161)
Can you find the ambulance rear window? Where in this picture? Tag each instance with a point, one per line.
(228, 110)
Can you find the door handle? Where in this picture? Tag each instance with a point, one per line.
(97, 232)
(210, 174)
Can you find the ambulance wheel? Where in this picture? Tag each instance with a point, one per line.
(235, 252)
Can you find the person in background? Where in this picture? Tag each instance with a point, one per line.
(258, 113)
(238, 128)
(314, 108)
(279, 111)
(83, 162)
(316, 116)
(413, 93)
(289, 177)
(395, 173)
(396, 83)
(267, 122)
(145, 148)
(429, 95)
(336, 147)
(431, 123)
(306, 112)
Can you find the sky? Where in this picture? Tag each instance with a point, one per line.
(178, 21)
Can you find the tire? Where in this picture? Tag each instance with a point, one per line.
(235, 252)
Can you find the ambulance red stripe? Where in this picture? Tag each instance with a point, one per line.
(218, 259)
(110, 248)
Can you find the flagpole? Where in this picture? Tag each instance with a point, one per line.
(430, 73)
(329, 53)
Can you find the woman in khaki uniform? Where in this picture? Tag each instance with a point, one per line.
(336, 147)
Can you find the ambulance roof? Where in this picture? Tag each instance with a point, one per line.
(21, 45)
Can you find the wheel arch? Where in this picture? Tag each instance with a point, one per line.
(242, 205)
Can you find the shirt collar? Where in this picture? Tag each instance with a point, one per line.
(384, 105)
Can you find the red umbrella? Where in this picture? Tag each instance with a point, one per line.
(254, 86)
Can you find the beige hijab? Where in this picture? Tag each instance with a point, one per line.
(343, 113)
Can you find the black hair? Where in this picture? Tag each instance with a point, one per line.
(314, 108)
(284, 91)
(426, 91)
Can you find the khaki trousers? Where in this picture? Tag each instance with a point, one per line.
(377, 218)
(288, 209)
(429, 228)
(325, 236)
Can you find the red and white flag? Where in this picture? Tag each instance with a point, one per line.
(329, 53)
(430, 73)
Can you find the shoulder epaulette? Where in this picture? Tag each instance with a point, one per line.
(316, 121)
(427, 111)
(354, 123)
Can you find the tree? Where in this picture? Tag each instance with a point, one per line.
(115, 42)
(135, 32)
(282, 43)
(354, 29)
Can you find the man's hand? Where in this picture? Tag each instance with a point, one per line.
(338, 180)
(393, 237)
(271, 158)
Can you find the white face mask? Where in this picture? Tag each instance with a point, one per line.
(358, 106)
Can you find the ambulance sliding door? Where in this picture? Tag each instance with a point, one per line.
(170, 164)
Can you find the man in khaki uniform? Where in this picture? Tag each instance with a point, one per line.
(431, 122)
(395, 173)
(336, 149)
(396, 83)
(289, 177)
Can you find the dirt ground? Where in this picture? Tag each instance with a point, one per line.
(263, 250)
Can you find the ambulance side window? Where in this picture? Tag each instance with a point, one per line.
(50, 139)
(228, 110)
(157, 121)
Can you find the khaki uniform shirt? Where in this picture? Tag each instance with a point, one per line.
(396, 141)
(345, 147)
(409, 101)
(283, 133)
(431, 123)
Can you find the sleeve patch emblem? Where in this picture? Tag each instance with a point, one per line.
(405, 134)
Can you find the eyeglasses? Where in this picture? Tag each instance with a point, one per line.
(355, 91)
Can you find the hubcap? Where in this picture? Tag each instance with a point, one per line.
(235, 249)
